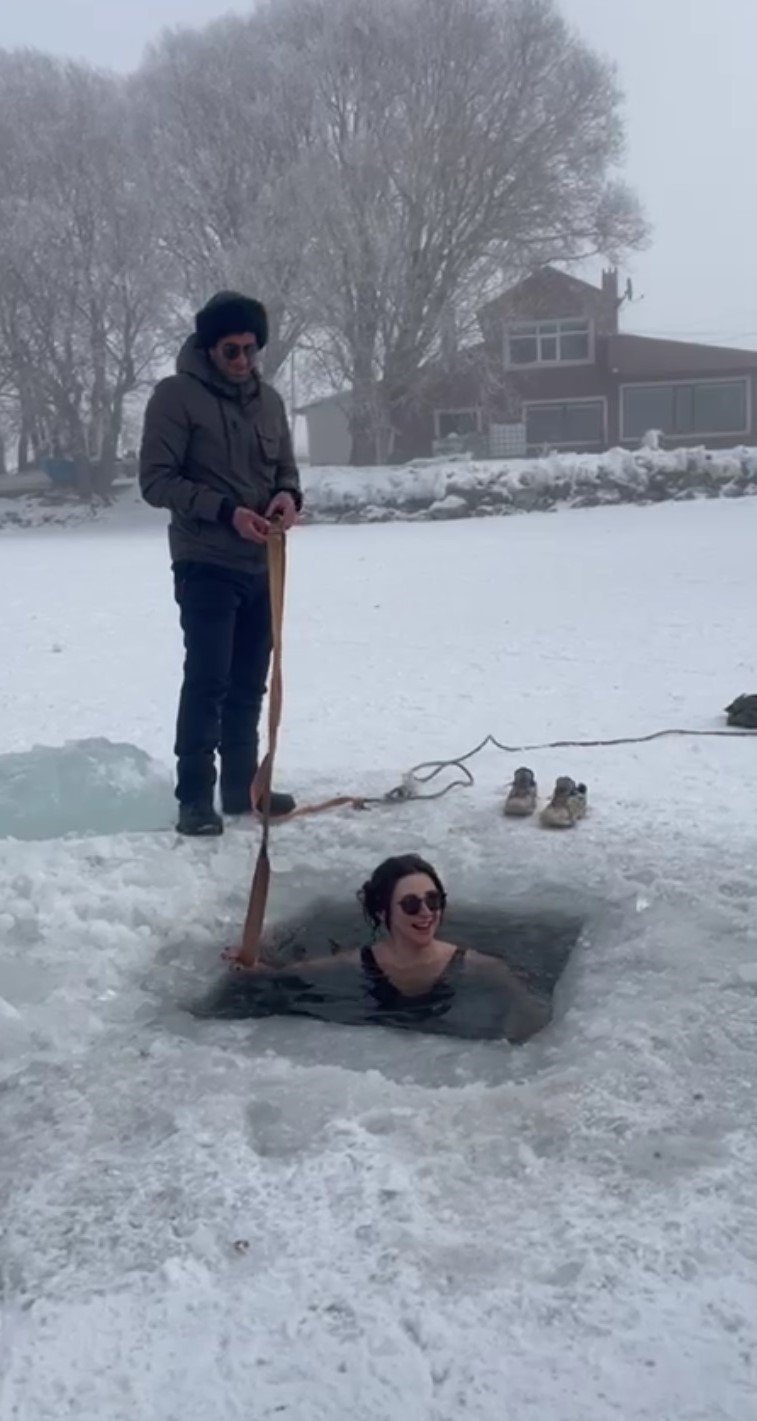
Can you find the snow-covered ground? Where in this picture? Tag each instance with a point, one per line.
(280, 1218)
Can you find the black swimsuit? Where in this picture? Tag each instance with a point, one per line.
(394, 1007)
(459, 1003)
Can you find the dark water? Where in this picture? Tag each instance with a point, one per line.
(536, 944)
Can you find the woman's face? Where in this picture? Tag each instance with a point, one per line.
(416, 909)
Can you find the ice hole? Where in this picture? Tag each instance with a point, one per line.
(535, 942)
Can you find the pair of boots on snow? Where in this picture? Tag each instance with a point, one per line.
(567, 805)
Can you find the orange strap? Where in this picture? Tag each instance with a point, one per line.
(261, 785)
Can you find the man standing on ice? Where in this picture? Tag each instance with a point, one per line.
(217, 452)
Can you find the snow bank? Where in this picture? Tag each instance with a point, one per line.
(85, 786)
(42, 510)
(463, 488)
(440, 489)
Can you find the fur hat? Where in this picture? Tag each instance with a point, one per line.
(228, 313)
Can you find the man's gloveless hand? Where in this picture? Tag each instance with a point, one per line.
(284, 509)
(251, 526)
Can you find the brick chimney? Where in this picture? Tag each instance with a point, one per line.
(611, 297)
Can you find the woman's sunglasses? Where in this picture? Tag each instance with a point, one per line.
(413, 903)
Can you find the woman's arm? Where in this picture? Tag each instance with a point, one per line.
(271, 989)
(524, 1013)
(304, 966)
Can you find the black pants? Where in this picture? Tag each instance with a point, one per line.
(226, 621)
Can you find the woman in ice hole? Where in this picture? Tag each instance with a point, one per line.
(410, 976)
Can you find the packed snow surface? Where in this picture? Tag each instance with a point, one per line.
(280, 1218)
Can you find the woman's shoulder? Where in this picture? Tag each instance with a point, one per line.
(483, 964)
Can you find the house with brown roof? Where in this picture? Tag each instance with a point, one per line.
(553, 371)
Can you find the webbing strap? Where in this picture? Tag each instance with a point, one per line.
(262, 783)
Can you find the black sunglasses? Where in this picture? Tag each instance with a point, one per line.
(231, 351)
(413, 903)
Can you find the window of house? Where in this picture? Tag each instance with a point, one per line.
(702, 407)
(549, 343)
(571, 422)
(456, 422)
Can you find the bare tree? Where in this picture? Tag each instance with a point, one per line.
(368, 170)
(82, 280)
(455, 135)
(228, 125)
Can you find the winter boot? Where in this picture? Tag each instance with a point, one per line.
(281, 804)
(236, 796)
(199, 821)
(567, 805)
(521, 799)
(743, 712)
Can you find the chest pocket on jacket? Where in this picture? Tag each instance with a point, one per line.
(269, 447)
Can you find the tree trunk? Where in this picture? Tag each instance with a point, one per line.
(76, 439)
(23, 459)
(362, 418)
(105, 466)
(363, 444)
(367, 398)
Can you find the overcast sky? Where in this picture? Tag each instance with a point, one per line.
(688, 69)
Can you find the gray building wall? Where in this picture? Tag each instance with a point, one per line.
(329, 438)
